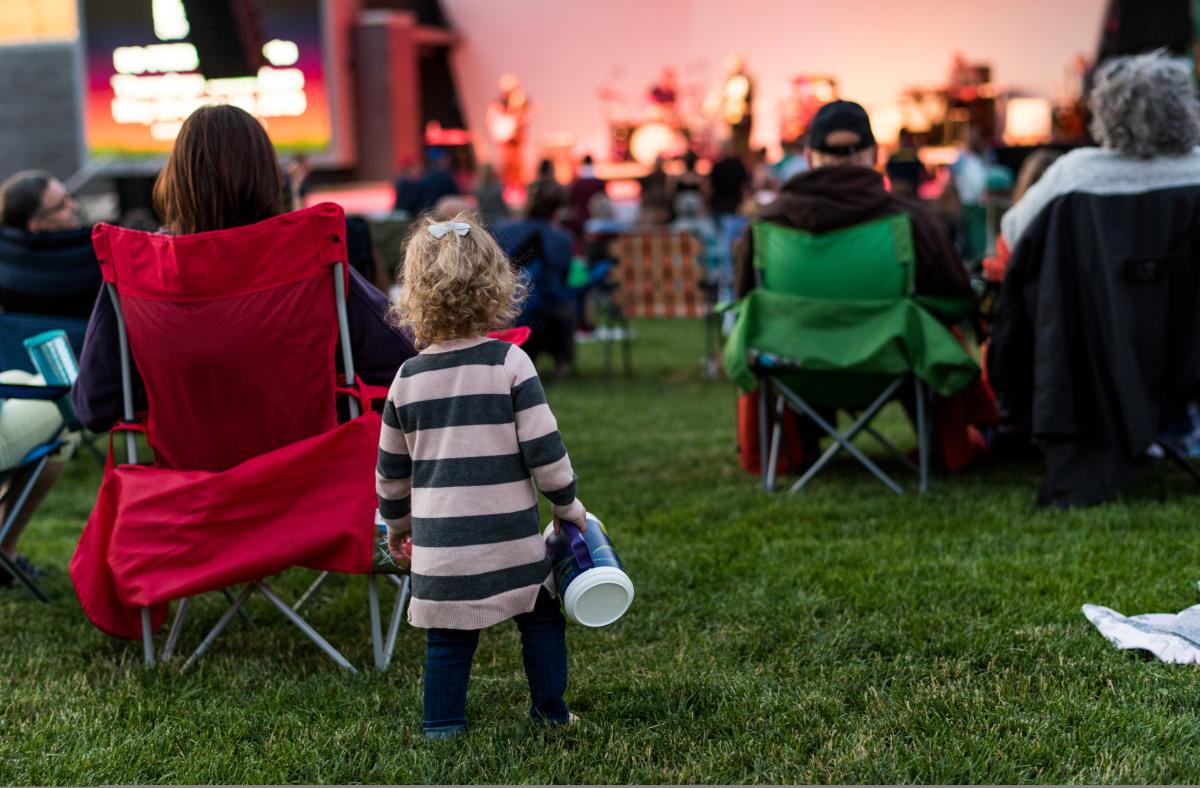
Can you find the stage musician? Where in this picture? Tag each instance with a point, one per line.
(664, 98)
(737, 104)
(507, 120)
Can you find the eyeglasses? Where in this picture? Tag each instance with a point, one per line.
(50, 210)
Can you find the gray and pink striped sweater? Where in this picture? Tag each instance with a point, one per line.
(465, 426)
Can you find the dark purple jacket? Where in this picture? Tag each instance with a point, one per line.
(377, 347)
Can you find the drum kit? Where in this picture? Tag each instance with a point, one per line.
(645, 130)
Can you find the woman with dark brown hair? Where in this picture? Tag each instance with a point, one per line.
(223, 173)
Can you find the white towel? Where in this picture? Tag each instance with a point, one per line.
(1171, 637)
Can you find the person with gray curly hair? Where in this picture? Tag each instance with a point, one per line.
(1145, 106)
(1146, 117)
(1094, 346)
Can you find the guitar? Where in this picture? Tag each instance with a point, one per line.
(505, 119)
(737, 95)
(502, 126)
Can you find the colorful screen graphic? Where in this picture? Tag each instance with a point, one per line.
(144, 77)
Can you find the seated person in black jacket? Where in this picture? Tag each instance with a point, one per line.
(47, 265)
(1094, 345)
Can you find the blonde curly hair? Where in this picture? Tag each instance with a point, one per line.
(455, 287)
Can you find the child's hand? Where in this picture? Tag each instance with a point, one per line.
(581, 523)
(400, 547)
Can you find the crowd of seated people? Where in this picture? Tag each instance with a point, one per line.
(1144, 170)
(1091, 352)
(566, 230)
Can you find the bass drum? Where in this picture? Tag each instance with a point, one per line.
(652, 140)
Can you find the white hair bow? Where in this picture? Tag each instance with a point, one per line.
(440, 229)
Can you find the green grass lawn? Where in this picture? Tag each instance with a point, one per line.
(841, 634)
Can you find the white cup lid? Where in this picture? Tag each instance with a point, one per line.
(599, 596)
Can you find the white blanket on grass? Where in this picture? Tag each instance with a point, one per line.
(1171, 637)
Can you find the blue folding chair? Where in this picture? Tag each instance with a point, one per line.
(34, 463)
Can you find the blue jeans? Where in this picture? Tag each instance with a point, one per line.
(448, 657)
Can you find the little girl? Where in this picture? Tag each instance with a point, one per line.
(465, 426)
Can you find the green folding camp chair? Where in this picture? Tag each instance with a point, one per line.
(833, 325)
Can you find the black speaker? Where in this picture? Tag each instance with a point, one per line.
(439, 97)
(227, 35)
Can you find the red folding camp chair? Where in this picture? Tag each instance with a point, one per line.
(234, 334)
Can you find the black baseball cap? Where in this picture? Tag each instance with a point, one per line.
(840, 116)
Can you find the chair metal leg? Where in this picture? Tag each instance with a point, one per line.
(887, 444)
(712, 339)
(241, 609)
(607, 347)
(312, 589)
(815, 468)
(14, 510)
(376, 626)
(397, 614)
(176, 627)
(24, 579)
(776, 440)
(1180, 459)
(844, 441)
(922, 435)
(147, 638)
(627, 348)
(216, 631)
(764, 400)
(304, 626)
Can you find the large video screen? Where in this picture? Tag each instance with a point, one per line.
(146, 74)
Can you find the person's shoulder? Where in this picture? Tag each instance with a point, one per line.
(14, 241)
(509, 351)
(1103, 171)
(47, 241)
(398, 380)
(517, 361)
(1077, 168)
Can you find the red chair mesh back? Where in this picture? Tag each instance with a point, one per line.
(233, 332)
